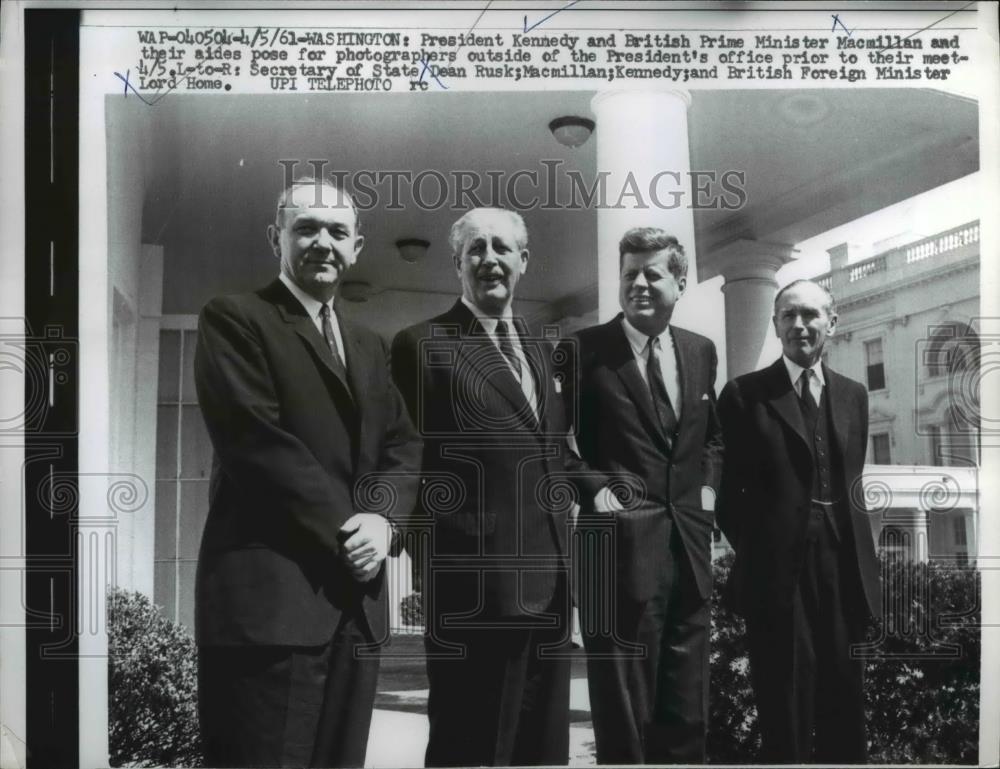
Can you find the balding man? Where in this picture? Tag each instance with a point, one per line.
(482, 394)
(302, 413)
(805, 577)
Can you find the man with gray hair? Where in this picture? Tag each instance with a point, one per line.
(481, 393)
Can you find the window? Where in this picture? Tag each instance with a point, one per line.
(958, 529)
(875, 365)
(936, 445)
(880, 449)
(183, 467)
(953, 349)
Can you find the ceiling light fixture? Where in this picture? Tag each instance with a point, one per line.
(571, 131)
(412, 249)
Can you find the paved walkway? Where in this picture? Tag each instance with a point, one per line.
(399, 725)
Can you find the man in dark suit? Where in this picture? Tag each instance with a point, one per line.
(646, 428)
(481, 393)
(805, 576)
(304, 419)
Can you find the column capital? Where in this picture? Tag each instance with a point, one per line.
(746, 259)
(605, 99)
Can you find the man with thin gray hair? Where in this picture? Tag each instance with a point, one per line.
(481, 392)
(805, 576)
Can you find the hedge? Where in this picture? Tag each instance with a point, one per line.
(922, 681)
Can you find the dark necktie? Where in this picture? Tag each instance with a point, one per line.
(331, 341)
(507, 347)
(657, 388)
(809, 408)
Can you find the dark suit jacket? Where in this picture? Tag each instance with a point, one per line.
(618, 435)
(490, 493)
(764, 506)
(292, 441)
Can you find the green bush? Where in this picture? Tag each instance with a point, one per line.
(921, 678)
(153, 686)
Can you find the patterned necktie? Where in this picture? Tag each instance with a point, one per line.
(331, 340)
(657, 388)
(507, 347)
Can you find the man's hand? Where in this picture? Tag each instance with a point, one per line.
(606, 501)
(365, 544)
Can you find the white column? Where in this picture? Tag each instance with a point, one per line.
(642, 153)
(137, 553)
(96, 534)
(749, 267)
(921, 535)
(12, 402)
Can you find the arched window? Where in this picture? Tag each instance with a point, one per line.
(954, 347)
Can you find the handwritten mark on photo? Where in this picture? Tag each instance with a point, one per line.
(528, 29)
(836, 21)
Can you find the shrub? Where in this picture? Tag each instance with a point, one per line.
(921, 677)
(153, 686)
(923, 687)
(411, 610)
(733, 737)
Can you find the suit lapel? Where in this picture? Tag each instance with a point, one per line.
(293, 313)
(623, 362)
(356, 364)
(482, 356)
(838, 411)
(785, 401)
(686, 370)
(538, 370)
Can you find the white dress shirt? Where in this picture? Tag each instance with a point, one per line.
(639, 342)
(525, 379)
(816, 381)
(313, 307)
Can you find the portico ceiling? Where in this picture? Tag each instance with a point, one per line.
(813, 159)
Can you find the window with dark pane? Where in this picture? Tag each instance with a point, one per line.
(874, 365)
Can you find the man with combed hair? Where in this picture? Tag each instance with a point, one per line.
(805, 576)
(481, 393)
(303, 416)
(647, 429)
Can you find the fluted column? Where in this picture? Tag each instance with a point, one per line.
(642, 149)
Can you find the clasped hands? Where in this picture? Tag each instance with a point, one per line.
(365, 544)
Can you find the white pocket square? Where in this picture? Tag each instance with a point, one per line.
(704, 396)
